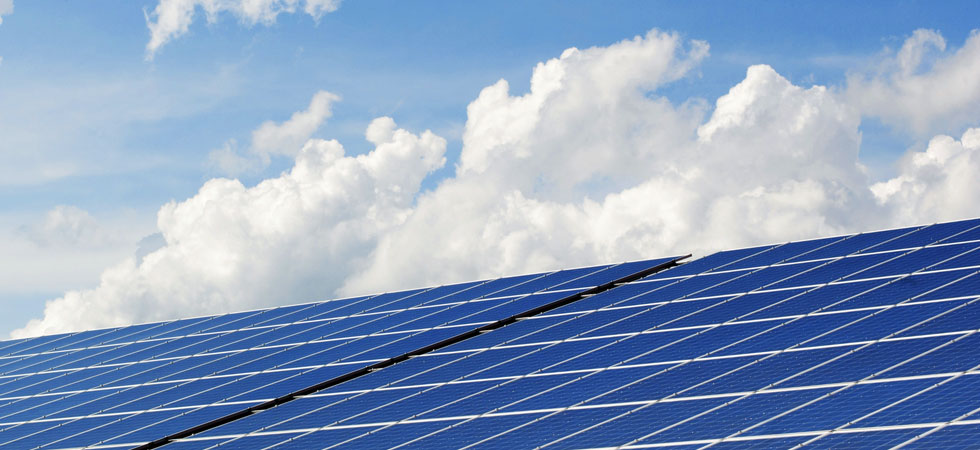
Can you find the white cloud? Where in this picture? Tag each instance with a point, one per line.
(272, 139)
(655, 181)
(287, 138)
(64, 248)
(591, 165)
(940, 183)
(923, 88)
(6, 9)
(68, 226)
(172, 18)
(232, 247)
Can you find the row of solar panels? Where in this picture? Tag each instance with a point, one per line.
(867, 339)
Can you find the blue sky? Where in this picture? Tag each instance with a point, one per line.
(90, 125)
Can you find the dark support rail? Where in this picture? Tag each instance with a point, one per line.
(397, 359)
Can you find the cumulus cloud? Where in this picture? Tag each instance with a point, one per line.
(656, 179)
(940, 182)
(291, 237)
(924, 87)
(591, 165)
(272, 139)
(67, 226)
(6, 9)
(172, 18)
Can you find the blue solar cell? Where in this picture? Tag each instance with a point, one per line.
(315, 439)
(394, 435)
(43, 406)
(715, 261)
(956, 356)
(660, 316)
(636, 425)
(550, 428)
(343, 410)
(866, 439)
(927, 235)
(760, 279)
(886, 322)
(866, 361)
(464, 365)
(734, 308)
(537, 358)
(843, 406)
(511, 308)
(810, 300)
(434, 296)
(760, 371)
(147, 429)
(959, 316)
(706, 342)
(615, 296)
(610, 274)
(968, 286)
(793, 332)
(916, 260)
(969, 235)
(37, 434)
(199, 444)
(781, 442)
(943, 403)
(850, 267)
(115, 427)
(544, 281)
(35, 345)
(896, 291)
(690, 287)
(782, 253)
(286, 440)
(544, 329)
(854, 244)
(739, 415)
(666, 381)
(952, 436)
(445, 400)
(459, 433)
(968, 259)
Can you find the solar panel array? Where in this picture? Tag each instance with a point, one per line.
(866, 341)
(127, 386)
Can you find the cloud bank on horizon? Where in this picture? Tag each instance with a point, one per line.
(590, 166)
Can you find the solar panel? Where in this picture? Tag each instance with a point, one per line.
(860, 340)
(130, 385)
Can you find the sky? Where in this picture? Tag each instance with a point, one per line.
(173, 158)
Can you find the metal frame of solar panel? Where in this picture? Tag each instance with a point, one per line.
(864, 340)
(124, 386)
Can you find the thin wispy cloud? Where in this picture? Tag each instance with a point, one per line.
(171, 19)
(6, 9)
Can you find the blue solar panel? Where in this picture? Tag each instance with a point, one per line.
(864, 340)
(633, 365)
(131, 385)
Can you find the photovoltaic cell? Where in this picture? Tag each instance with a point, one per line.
(864, 340)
